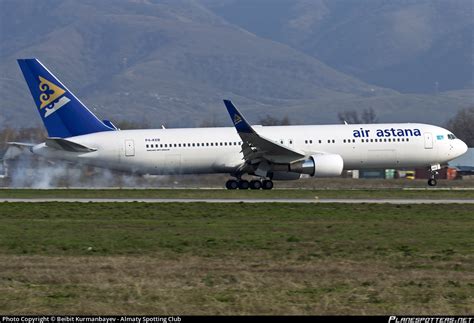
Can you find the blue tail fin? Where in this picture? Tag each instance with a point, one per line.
(62, 113)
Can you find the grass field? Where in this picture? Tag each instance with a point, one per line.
(197, 258)
(247, 194)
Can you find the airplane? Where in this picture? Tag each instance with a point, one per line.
(266, 153)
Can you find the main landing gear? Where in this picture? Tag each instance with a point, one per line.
(255, 184)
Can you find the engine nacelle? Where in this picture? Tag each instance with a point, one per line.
(323, 165)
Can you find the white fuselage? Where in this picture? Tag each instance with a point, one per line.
(218, 150)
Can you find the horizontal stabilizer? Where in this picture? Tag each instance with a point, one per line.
(15, 149)
(64, 144)
(21, 144)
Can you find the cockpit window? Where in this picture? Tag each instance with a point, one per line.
(451, 136)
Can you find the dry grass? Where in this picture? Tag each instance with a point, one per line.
(238, 284)
(196, 258)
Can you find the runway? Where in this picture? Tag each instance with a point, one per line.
(315, 200)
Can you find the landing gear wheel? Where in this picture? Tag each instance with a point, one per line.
(231, 184)
(255, 185)
(267, 184)
(433, 173)
(243, 185)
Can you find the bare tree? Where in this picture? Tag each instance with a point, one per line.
(368, 115)
(349, 116)
(462, 125)
(268, 120)
(210, 122)
(129, 124)
(31, 135)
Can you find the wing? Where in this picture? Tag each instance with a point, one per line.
(256, 147)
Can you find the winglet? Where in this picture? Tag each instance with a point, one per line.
(237, 118)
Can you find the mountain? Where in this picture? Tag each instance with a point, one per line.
(411, 46)
(173, 61)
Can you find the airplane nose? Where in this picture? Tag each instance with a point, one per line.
(462, 147)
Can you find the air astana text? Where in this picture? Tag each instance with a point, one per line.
(392, 132)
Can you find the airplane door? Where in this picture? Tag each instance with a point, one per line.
(428, 140)
(129, 148)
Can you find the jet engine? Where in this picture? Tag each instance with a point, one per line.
(323, 165)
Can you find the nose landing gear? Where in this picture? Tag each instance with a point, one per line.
(432, 182)
(433, 172)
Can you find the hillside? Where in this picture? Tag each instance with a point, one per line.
(410, 46)
(172, 62)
